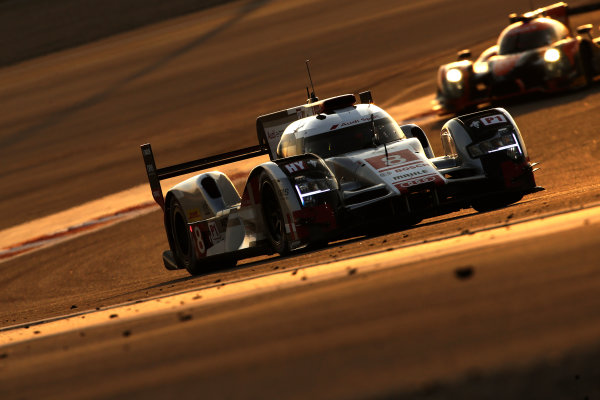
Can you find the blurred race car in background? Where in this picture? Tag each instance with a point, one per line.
(336, 168)
(536, 52)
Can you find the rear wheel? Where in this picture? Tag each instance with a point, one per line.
(495, 202)
(183, 247)
(273, 217)
(181, 244)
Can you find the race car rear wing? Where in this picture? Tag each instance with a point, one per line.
(559, 11)
(269, 128)
(155, 175)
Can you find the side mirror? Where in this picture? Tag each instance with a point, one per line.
(464, 54)
(415, 131)
(513, 17)
(584, 29)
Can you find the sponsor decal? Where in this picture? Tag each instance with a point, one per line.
(493, 119)
(274, 133)
(194, 214)
(402, 186)
(198, 241)
(215, 236)
(295, 166)
(404, 169)
(392, 160)
(411, 174)
(206, 234)
(354, 122)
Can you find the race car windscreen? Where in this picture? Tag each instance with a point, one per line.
(518, 42)
(352, 138)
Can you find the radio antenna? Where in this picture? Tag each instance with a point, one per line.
(312, 96)
(377, 140)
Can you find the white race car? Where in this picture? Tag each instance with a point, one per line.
(336, 168)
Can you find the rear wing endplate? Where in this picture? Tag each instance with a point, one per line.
(269, 127)
(155, 175)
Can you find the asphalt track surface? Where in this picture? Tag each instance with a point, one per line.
(507, 320)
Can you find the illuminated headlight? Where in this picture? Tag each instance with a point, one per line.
(552, 55)
(308, 188)
(481, 67)
(507, 141)
(453, 75)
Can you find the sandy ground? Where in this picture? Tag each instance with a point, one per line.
(525, 326)
(423, 330)
(32, 28)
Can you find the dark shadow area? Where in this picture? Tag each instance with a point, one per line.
(527, 104)
(573, 376)
(35, 28)
(91, 101)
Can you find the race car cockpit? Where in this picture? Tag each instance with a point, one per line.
(332, 143)
(530, 35)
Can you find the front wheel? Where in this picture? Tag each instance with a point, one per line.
(183, 247)
(273, 217)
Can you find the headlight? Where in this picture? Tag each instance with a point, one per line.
(308, 188)
(552, 55)
(453, 75)
(481, 67)
(506, 141)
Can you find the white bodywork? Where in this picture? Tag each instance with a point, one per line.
(334, 158)
(399, 164)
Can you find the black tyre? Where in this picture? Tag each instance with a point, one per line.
(273, 216)
(179, 239)
(587, 70)
(485, 204)
(183, 247)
